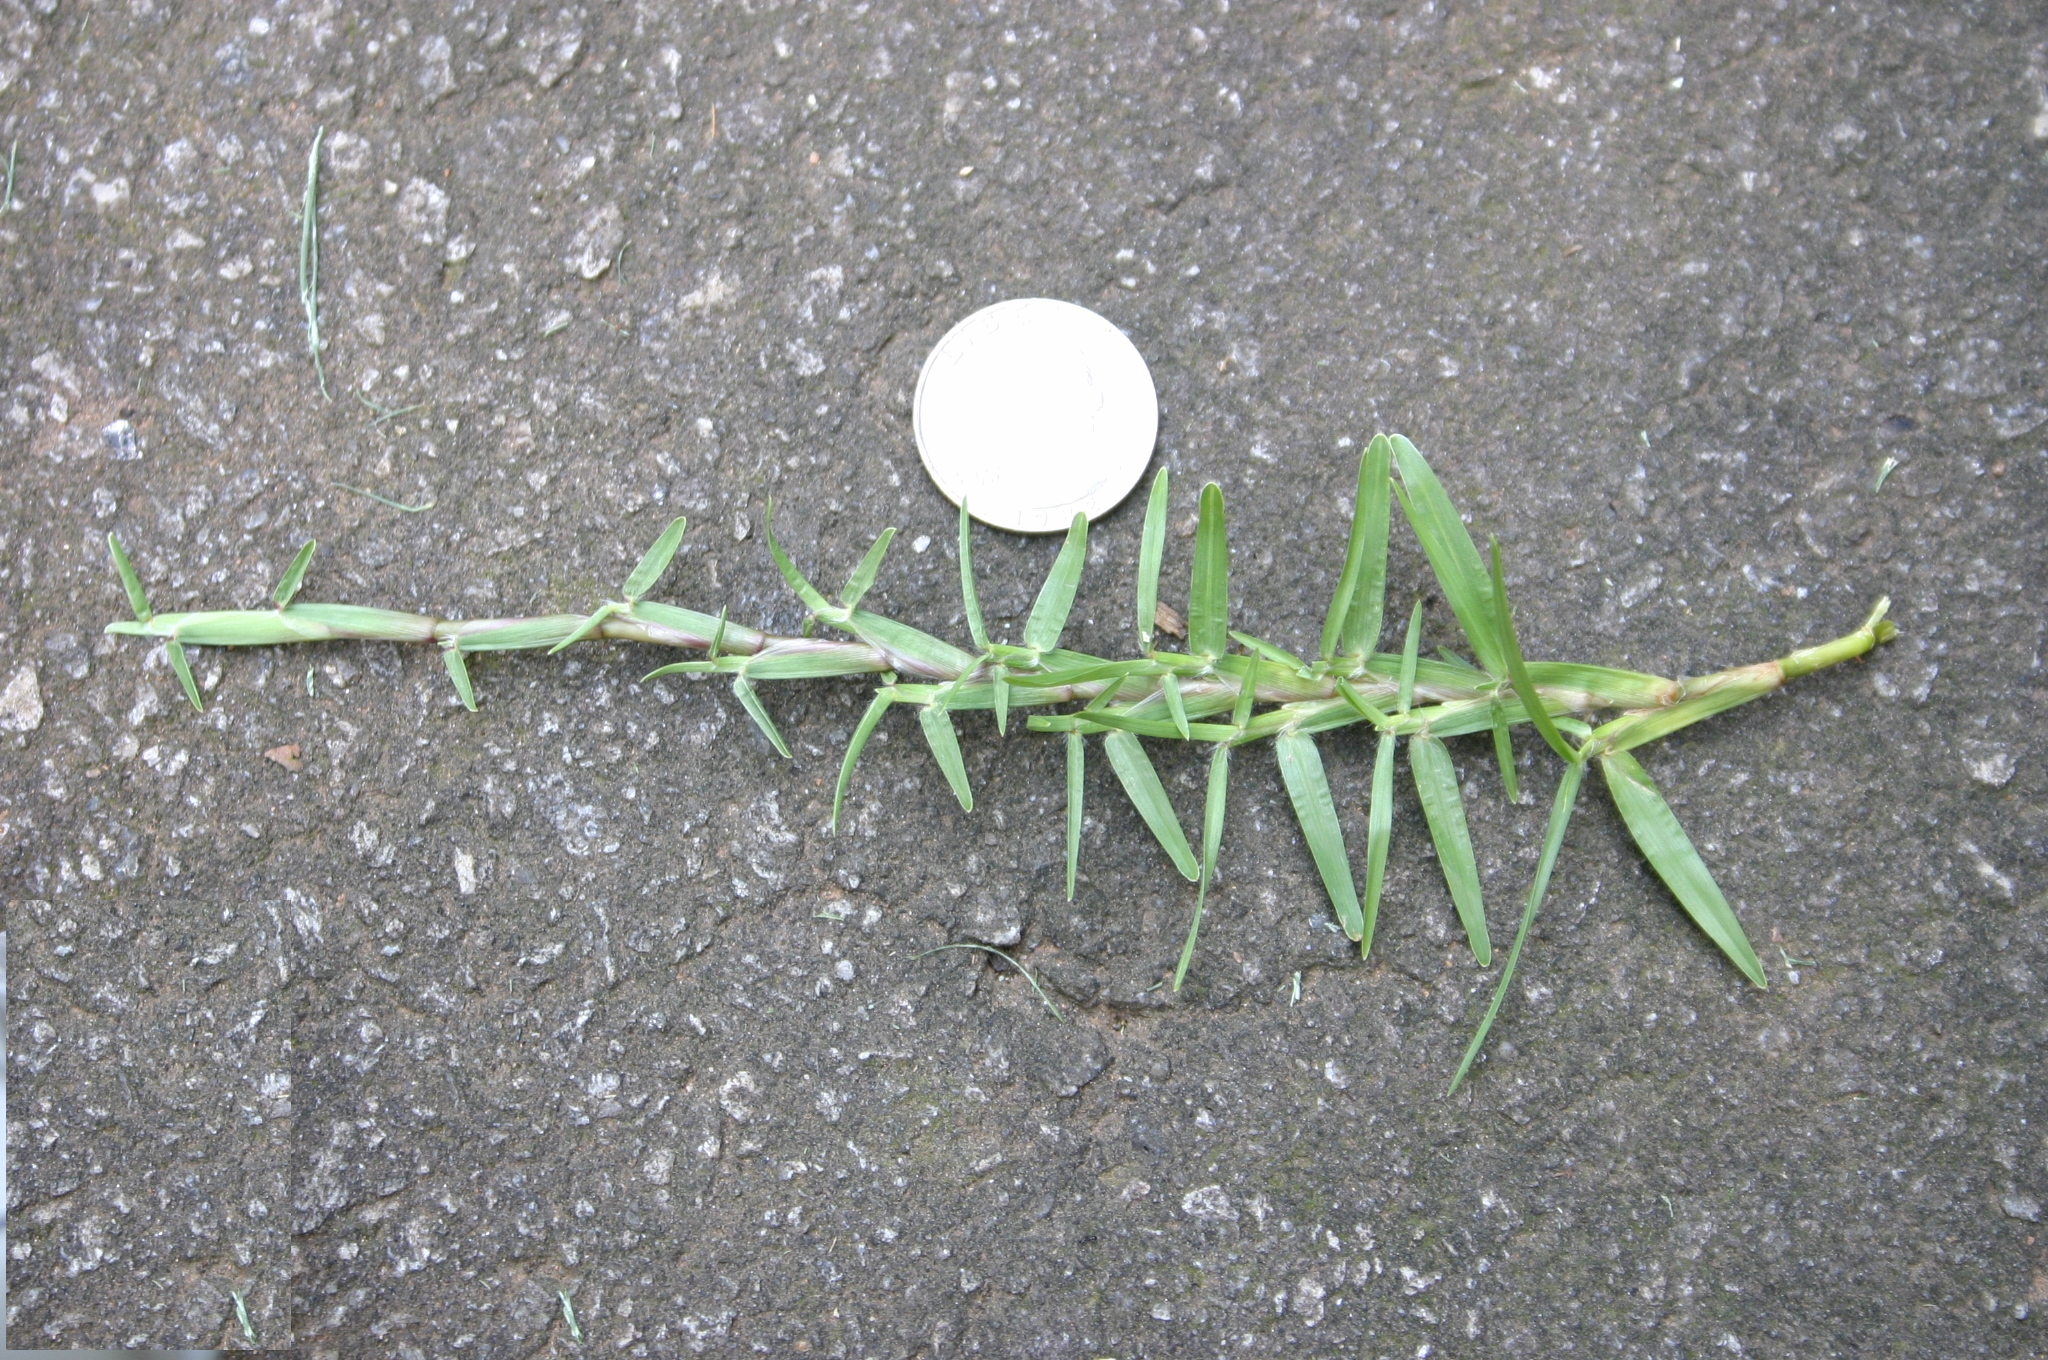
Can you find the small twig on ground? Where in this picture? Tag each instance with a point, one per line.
(309, 260)
(991, 949)
(385, 413)
(383, 500)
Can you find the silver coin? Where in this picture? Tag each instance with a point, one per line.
(1033, 409)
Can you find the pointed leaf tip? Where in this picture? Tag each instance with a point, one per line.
(138, 600)
(945, 743)
(288, 584)
(176, 651)
(1056, 597)
(1670, 852)
(458, 671)
(970, 600)
(1209, 584)
(863, 577)
(1151, 550)
(655, 561)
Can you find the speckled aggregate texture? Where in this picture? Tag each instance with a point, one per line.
(404, 1021)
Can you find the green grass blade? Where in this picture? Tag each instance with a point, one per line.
(1410, 656)
(1358, 609)
(1056, 597)
(654, 562)
(1670, 852)
(1560, 817)
(717, 637)
(752, 703)
(1451, 553)
(1379, 833)
(912, 649)
(868, 722)
(138, 599)
(969, 599)
(945, 744)
(512, 637)
(458, 671)
(589, 625)
(1444, 807)
(1278, 655)
(1364, 707)
(1151, 550)
(1209, 583)
(1141, 782)
(1212, 836)
(805, 591)
(1635, 729)
(999, 679)
(864, 575)
(288, 584)
(1301, 767)
(1169, 690)
(1518, 669)
(176, 651)
(1603, 686)
(1077, 771)
(1504, 752)
(807, 659)
(1247, 693)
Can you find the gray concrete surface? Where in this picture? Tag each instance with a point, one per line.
(576, 994)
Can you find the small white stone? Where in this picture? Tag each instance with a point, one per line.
(1989, 764)
(1208, 1202)
(21, 703)
(465, 873)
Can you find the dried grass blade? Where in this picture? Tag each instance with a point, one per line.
(1141, 782)
(1077, 771)
(288, 584)
(654, 562)
(1212, 836)
(752, 703)
(869, 720)
(1301, 767)
(1437, 784)
(1670, 852)
(1056, 597)
(1561, 806)
(945, 743)
(1209, 584)
(1451, 553)
(1151, 551)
